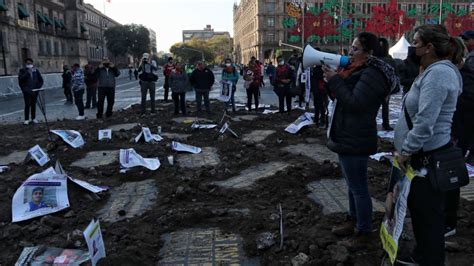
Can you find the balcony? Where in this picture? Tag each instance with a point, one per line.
(26, 24)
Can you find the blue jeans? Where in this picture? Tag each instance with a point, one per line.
(232, 99)
(354, 171)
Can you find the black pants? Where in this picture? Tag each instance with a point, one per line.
(148, 86)
(68, 94)
(282, 96)
(252, 91)
(79, 101)
(427, 215)
(30, 104)
(104, 92)
(166, 87)
(451, 207)
(320, 106)
(385, 113)
(199, 96)
(179, 99)
(91, 97)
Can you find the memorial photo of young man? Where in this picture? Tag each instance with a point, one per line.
(37, 199)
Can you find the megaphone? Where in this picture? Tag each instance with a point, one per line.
(312, 56)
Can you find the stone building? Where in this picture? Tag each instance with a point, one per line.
(258, 24)
(204, 34)
(49, 31)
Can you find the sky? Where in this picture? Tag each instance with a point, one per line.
(168, 18)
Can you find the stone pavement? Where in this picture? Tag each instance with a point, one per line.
(207, 157)
(97, 158)
(16, 157)
(467, 192)
(315, 151)
(332, 195)
(251, 175)
(203, 247)
(129, 200)
(257, 136)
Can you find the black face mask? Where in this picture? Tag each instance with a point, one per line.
(412, 55)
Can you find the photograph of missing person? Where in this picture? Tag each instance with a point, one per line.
(40, 197)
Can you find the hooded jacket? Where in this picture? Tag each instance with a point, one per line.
(106, 76)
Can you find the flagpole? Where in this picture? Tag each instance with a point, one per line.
(103, 2)
(440, 10)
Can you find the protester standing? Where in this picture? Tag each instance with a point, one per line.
(429, 107)
(91, 87)
(167, 70)
(135, 72)
(284, 79)
(387, 58)
(320, 96)
(179, 83)
(147, 82)
(67, 77)
(409, 70)
(78, 87)
(253, 81)
(29, 79)
(202, 80)
(230, 73)
(358, 90)
(270, 72)
(130, 73)
(106, 74)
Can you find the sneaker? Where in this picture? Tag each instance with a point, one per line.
(34, 121)
(346, 229)
(80, 117)
(449, 231)
(408, 260)
(357, 242)
(27, 122)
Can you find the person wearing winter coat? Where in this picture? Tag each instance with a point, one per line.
(202, 80)
(29, 79)
(91, 87)
(148, 80)
(78, 87)
(284, 79)
(167, 70)
(67, 77)
(230, 73)
(106, 74)
(179, 83)
(253, 81)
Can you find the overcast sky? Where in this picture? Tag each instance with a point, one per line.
(170, 17)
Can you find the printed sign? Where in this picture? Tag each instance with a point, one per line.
(95, 242)
(302, 121)
(130, 158)
(41, 255)
(105, 134)
(203, 126)
(184, 147)
(38, 155)
(225, 91)
(71, 137)
(148, 136)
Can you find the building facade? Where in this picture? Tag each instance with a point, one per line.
(259, 25)
(47, 31)
(204, 34)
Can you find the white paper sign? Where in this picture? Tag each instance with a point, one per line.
(95, 242)
(470, 170)
(88, 186)
(105, 134)
(224, 128)
(40, 194)
(225, 91)
(267, 111)
(203, 126)
(39, 155)
(379, 155)
(386, 134)
(130, 158)
(148, 136)
(3, 168)
(302, 121)
(184, 147)
(71, 137)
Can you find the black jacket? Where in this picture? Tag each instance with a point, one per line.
(359, 96)
(202, 80)
(67, 79)
(29, 81)
(407, 72)
(106, 76)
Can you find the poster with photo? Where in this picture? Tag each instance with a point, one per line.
(38, 155)
(105, 134)
(42, 255)
(225, 91)
(39, 195)
(95, 242)
(302, 121)
(130, 158)
(71, 137)
(184, 147)
(148, 136)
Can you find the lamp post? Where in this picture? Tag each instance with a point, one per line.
(303, 11)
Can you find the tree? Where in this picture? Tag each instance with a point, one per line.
(132, 38)
(116, 43)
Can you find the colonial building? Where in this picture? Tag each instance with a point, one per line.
(49, 31)
(204, 34)
(259, 25)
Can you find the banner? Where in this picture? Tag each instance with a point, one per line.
(95, 242)
(130, 158)
(395, 209)
(105, 134)
(38, 155)
(40, 194)
(225, 91)
(71, 137)
(184, 147)
(42, 255)
(148, 136)
(302, 121)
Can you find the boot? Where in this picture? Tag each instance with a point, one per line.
(358, 241)
(345, 229)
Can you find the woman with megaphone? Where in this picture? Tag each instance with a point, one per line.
(358, 90)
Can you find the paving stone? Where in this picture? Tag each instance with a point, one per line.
(467, 192)
(257, 136)
(16, 157)
(207, 157)
(97, 158)
(244, 118)
(332, 195)
(203, 247)
(251, 175)
(129, 200)
(317, 152)
(190, 120)
(125, 127)
(175, 136)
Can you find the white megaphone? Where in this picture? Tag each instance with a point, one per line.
(312, 56)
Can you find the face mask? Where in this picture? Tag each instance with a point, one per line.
(106, 65)
(30, 66)
(412, 55)
(227, 64)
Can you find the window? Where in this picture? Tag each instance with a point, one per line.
(270, 36)
(271, 8)
(271, 22)
(48, 47)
